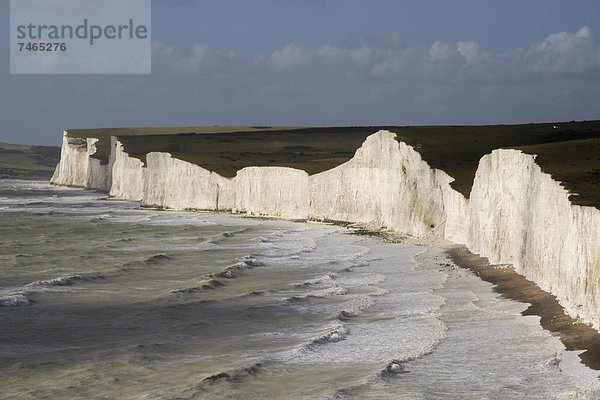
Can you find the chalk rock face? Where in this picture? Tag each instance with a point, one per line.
(521, 216)
(176, 184)
(385, 185)
(127, 178)
(456, 209)
(96, 176)
(516, 214)
(78, 168)
(272, 191)
(72, 168)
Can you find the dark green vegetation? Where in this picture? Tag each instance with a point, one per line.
(575, 163)
(569, 151)
(28, 162)
(104, 134)
(311, 149)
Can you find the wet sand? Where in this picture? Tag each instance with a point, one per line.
(574, 335)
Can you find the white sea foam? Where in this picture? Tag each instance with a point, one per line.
(330, 334)
(320, 280)
(198, 286)
(15, 300)
(382, 326)
(67, 280)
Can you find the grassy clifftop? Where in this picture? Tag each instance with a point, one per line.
(569, 151)
(28, 162)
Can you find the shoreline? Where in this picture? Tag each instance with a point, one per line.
(574, 335)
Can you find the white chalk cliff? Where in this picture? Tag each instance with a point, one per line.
(126, 174)
(516, 214)
(78, 168)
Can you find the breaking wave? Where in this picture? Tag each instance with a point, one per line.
(258, 293)
(158, 258)
(331, 335)
(229, 234)
(154, 260)
(393, 368)
(234, 376)
(245, 262)
(355, 308)
(67, 280)
(334, 290)
(251, 261)
(327, 278)
(212, 281)
(15, 300)
(202, 285)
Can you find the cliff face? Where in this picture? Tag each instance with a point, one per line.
(272, 191)
(127, 177)
(521, 216)
(176, 184)
(72, 168)
(516, 214)
(78, 167)
(385, 185)
(97, 172)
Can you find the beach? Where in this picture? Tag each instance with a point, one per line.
(575, 336)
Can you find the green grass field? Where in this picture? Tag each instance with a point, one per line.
(568, 151)
(575, 163)
(28, 162)
(104, 134)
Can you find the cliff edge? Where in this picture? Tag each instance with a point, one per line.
(515, 214)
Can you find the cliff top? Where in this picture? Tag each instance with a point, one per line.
(104, 134)
(575, 163)
(28, 162)
(569, 151)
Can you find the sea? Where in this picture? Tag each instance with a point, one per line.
(102, 299)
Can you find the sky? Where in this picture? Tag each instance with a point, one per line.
(329, 63)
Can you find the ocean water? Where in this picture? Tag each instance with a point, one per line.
(102, 300)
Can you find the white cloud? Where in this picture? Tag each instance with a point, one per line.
(566, 54)
(198, 58)
(389, 59)
(292, 56)
(378, 80)
(382, 81)
(559, 55)
(448, 69)
(472, 52)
